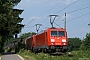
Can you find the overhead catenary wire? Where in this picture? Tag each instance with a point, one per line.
(49, 10)
(80, 15)
(52, 8)
(63, 8)
(78, 9)
(34, 26)
(77, 17)
(56, 20)
(30, 27)
(59, 17)
(73, 11)
(40, 22)
(57, 24)
(29, 22)
(44, 19)
(82, 8)
(45, 12)
(67, 7)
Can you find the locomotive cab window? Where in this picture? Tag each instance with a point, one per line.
(61, 33)
(57, 33)
(53, 33)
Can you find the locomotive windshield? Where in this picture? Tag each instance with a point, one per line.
(57, 33)
(53, 33)
(61, 33)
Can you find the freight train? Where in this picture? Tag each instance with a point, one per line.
(51, 40)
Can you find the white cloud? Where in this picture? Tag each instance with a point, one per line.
(28, 3)
(68, 1)
(25, 2)
(35, 2)
(79, 32)
(55, 2)
(84, 30)
(35, 17)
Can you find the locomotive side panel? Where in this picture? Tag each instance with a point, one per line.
(41, 41)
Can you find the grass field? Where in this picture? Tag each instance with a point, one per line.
(77, 55)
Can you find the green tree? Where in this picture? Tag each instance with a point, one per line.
(25, 35)
(86, 42)
(9, 20)
(74, 43)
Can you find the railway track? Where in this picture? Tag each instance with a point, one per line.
(61, 53)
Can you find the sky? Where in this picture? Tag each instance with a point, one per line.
(38, 11)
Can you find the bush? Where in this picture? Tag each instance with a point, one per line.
(86, 42)
(80, 54)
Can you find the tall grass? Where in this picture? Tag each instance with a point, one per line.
(81, 55)
(77, 55)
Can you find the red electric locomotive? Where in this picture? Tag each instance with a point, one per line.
(50, 40)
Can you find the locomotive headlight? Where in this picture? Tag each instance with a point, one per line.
(63, 40)
(64, 44)
(52, 40)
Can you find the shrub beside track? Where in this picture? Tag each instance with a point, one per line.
(77, 55)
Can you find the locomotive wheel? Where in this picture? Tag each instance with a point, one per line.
(64, 51)
(35, 51)
(44, 50)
